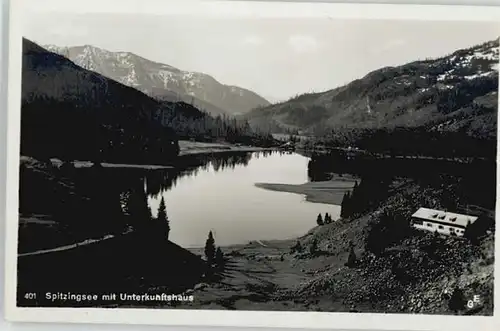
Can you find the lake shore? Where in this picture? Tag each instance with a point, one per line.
(260, 267)
(86, 164)
(281, 275)
(328, 192)
(195, 147)
(187, 148)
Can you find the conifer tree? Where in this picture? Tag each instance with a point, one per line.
(345, 207)
(210, 249)
(138, 209)
(162, 219)
(219, 259)
(319, 219)
(342, 206)
(351, 259)
(313, 249)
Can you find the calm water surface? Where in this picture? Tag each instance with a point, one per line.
(226, 201)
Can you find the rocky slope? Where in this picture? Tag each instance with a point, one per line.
(415, 272)
(163, 81)
(455, 92)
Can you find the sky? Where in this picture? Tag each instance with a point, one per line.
(276, 57)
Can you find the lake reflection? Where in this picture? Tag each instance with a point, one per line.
(219, 194)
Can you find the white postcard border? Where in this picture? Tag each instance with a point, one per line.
(312, 320)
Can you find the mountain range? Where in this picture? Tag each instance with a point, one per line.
(454, 92)
(73, 113)
(69, 112)
(163, 81)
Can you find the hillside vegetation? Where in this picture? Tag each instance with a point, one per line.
(72, 113)
(455, 93)
(416, 271)
(370, 260)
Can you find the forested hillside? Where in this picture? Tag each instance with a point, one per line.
(72, 113)
(453, 97)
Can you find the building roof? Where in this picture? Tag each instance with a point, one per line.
(440, 216)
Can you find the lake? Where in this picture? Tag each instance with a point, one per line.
(220, 195)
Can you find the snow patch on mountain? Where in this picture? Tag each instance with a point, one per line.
(162, 80)
(470, 77)
(165, 76)
(237, 90)
(478, 61)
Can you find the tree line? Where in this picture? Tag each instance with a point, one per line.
(103, 203)
(52, 128)
(464, 123)
(365, 196)
(71, 113)
(214, 258)
(410, 141)
(322, 221)
(191, 123)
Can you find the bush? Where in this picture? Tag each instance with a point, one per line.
(351, 260)
(319, 219)
(457, 300)
(475, 231)
(219, 259)
(297, 248)
(390, 229)
(313, 248)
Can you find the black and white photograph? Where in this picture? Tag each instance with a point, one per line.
(176, 159)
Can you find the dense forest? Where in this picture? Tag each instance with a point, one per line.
(109, 207)
(191, 123)
(92, 202)
(467, 130)
(410, 142)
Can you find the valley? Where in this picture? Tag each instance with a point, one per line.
(303, 205)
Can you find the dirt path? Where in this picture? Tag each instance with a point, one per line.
(261, 243)
(66, 247)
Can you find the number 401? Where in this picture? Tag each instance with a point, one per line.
(30, 296)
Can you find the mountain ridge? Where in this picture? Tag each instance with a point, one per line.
(446, 91)
(163, 81)
(97, 116)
